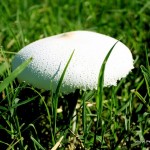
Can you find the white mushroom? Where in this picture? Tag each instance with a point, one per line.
(51, 54)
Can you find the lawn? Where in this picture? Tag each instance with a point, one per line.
(28, 117)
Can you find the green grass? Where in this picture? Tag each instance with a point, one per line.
(28, 118)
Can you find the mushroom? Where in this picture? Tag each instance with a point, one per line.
(50, 56)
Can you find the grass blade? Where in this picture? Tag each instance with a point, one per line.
(14, 74)
(101, 82)
(37, 143)
(63, 74)
(146, 75)
(99, 96)
(56, 95)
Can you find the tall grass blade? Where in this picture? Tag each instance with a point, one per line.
(56, 95)
(63, 74)
(99, 96)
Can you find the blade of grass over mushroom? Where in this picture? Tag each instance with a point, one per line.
(99, 96)
(56, 95)
(101, 82)
(14, 74)
(63, 74)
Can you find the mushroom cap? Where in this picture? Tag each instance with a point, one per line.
(50, 56)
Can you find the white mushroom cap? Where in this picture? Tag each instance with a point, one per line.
(50, 56)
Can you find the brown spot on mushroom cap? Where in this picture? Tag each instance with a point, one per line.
(67, 35)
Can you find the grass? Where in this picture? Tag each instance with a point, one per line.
(26, 113)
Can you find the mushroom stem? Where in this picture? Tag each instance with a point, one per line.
(71, 100)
